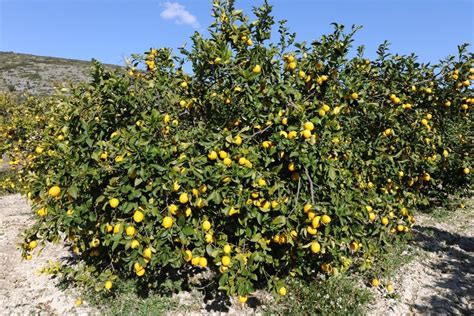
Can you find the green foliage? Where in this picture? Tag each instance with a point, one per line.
(301, 159)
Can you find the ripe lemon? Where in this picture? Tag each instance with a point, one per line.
(466, 171)
(384, 221)
(138, 216)
(117, 228)
(183, 198)
(225, 261)
(292, 134)
(389, 288)
(206, 225)
(354, 96)
(130, 231)
(147, 253)
(291, 166)
(325, 219)
(212, 155)
(108, 285)
(306, 134)
(167, 222)
(354, 246)
(262, 182)
(307, 207)
(188, 255)
(114, 202)
(257, 69)
(400, 228)
(227, 161)
(308, 126)
(203, 262)
(238, 140)
(195, 261)
(54, 191)
(243, 299)
(134, 244)
(32, 244)
(173, 208)
(227, 249)
(282, 291)
(78, 302)
(208, 238)
(311, 230)
(42, 212)
(103, 156)
(39, 150)
(140, 272)
(315, 247)
(372, 216)
(375, 282)
(95, 243)
(316, 221)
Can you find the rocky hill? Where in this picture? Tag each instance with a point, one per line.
(38, 75)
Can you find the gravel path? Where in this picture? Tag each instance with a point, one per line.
(441, 278)
(439, 281)
(23, 290)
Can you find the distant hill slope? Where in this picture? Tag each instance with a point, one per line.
(38, 74)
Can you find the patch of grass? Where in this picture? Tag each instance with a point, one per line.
(338, 295)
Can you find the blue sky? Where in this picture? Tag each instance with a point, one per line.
(111, 30)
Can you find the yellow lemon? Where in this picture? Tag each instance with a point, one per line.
(138, 216)
(307, 207)
(134, 244)
(227, 249)
(167, 222)
(183, 198)
(203, 262)
(117, 228)
(389, 288)
(325, 219)
(225, 261)
(384, 221)
(206, 225)
(308, 126)
(243, 299)
(130, 231)
(32, 244)
(315, 247)
(113, 202)
(375, 282)
(466, 171)
(282, 291)
(54, 191)
(212, 155)
(195, 261)
(354, 246)
(227, 161)
(257, 69)
(372, 216)
(108, 285)
(306, 134)
(188, 255)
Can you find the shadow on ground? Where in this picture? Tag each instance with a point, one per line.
(454, 287)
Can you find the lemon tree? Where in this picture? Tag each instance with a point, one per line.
(269, 159)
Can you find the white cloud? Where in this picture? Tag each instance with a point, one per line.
(178, 13)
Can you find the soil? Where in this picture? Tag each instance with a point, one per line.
(438, 281)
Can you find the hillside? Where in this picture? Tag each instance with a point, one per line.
(38, 74)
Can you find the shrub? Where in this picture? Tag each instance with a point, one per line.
(268, 159)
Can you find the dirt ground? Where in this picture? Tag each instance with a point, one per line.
(438, 281)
